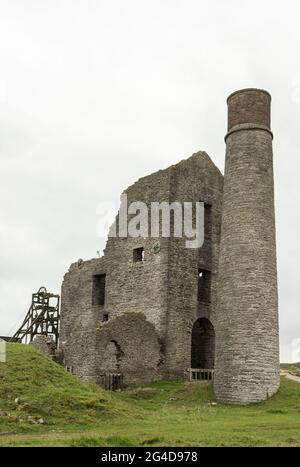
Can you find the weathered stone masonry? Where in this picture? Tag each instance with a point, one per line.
(150, 308)
(247, 344)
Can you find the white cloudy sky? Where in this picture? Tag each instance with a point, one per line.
(95, 94)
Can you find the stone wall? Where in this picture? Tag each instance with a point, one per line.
(196, 179)
(46, 345)
(129, 345)
(80, 318)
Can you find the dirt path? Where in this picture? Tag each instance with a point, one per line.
(289, 375)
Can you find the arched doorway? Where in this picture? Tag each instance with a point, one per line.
(203, 344)
(111, 376)
(112, 357)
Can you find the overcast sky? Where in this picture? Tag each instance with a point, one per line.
(95, 94)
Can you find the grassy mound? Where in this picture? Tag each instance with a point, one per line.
(34, 391)
(165, 413)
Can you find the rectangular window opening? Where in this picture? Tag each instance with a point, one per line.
(138, 255)
(207, 222)
(204, 284)
(105, 317)
(99, 289)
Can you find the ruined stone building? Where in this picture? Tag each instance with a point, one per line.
(151, 308)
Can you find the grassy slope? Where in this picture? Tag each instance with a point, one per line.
(33, 387)
(163, 413)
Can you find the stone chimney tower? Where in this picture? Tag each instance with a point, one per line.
(247, 343)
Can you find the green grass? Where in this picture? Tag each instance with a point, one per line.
(158, 414)
(32, 387)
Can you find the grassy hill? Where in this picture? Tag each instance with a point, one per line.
(41, 404)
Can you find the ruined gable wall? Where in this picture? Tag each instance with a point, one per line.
(163, 288)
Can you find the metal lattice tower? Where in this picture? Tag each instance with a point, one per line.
(42, 318)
